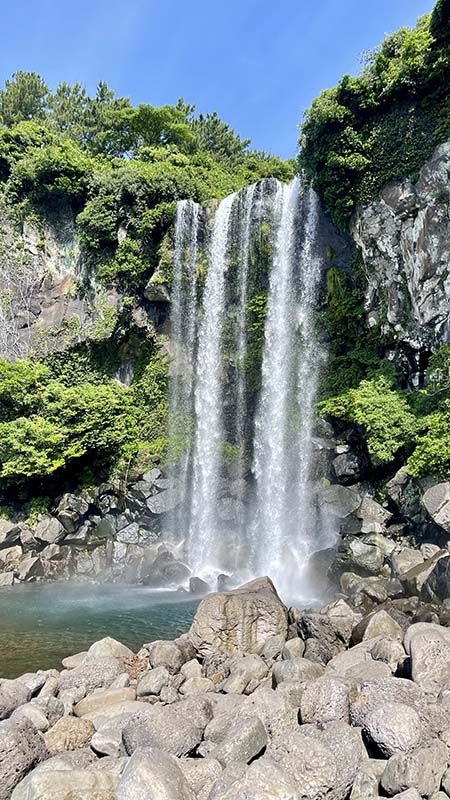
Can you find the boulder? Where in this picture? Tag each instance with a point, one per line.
(347, 467)
(166, 654)
(176, 729)
(393, 728)
(421, 769)
(429, 648)
(196, 686)
(309, 764)
(364, 554)
(244, 670)
(49, 530)
(30, 568)
(163, 502)
(63, 783)
(108, 648)
(9, 532)
(96, 704)
(401, 561)
(12, 694)
(240, 620)
(300, 670)
(414, 580)
(197, 586)
(21, 748)
(294, 648)
(166, 571)
(372, 515)
(339, 501)
(152, 681)
(378, 623)
(437, 502)
(152, 774)
(107, 739)
(436, 587)
(69, 733)
(262, 780)
(94, 674)
(324, 700)
(246, 738)
(34, 714)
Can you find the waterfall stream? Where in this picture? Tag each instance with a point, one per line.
(252, 512)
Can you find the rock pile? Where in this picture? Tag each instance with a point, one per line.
(255, 702)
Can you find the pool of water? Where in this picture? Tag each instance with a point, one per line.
(42, 623)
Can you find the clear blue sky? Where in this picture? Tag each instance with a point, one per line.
(258, 63)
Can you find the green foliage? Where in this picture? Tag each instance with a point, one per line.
(24, 97)
(64, 423)
(382, 412)
(57, 170)
(440, 23)
(384, 124)
(432, 453)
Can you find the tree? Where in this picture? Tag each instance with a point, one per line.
(24, 97)
(440, 23)
(217, 138)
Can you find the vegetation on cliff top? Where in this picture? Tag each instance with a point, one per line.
(384, 124)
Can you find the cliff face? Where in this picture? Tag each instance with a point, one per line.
(405, 242)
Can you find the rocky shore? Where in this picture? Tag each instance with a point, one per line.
(256, 701)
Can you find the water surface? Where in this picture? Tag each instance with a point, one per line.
(42, 623)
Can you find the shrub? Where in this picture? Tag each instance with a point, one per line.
(382, 412)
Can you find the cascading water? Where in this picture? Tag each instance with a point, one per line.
(183, 343)
(276, 526)
(203, 544)
(284, 531)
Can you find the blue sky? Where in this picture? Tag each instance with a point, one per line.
(257, 63)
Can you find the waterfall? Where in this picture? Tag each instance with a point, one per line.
(246, 215)
(284, 530)
(212, 405)
(183, 327)
(203, 544)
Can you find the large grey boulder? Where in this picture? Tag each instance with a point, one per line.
(244, 670)
(364, 554)
(436, 586)
(332, 626)
(239, 621)
(378, 623)
(49, 530)
(309, 764)
(166, 654)
(325, 700)
(107, 739)
(403, 560)
(94, 674)
(21, 748)
(421, 769)
(13, 693)
(300, 670)
(152, 774)
(245, 740)
(372, 515)
(176, 729)
(262, 780)
(163, 502)
(64, 783)
(108, 648)
(152, 681)
(394, 728)
(347, 467)
(200, 774)
(437, 502)
(429, 648)
(99, 702)
(339, 501)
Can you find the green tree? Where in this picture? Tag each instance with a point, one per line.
(24, 97)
